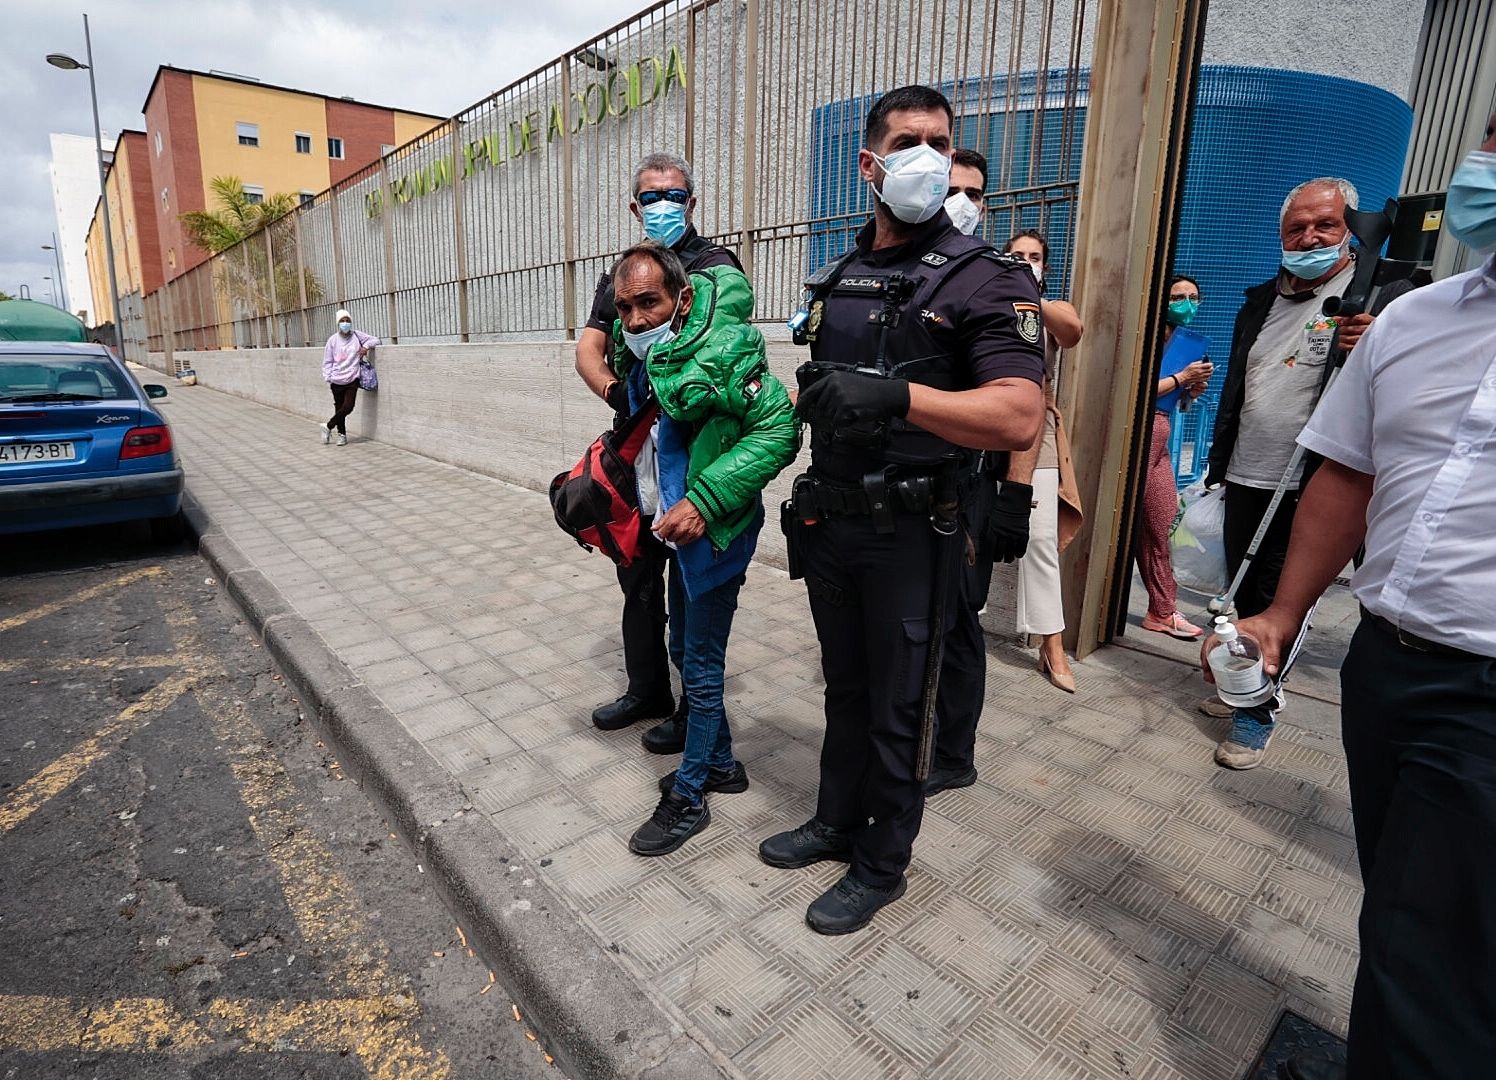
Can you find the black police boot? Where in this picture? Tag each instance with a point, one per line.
(629, 708)
(1311, 1068)
(812, 842)
(945, 779)
(849, 905)
(725, 781)
(670, 736)
(674, 821)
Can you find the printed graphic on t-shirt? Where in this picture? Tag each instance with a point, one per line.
(1314, 348)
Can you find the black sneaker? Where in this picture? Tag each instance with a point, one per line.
(813, 842)
(849, 905)
(674, 821)
(726, 781)
(945, 779)
(670, 736)
(629, 708)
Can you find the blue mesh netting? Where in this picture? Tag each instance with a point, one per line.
(1257, 132)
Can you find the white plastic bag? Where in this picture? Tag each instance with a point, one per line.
(1198, 543)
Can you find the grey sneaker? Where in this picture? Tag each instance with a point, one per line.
(1246, 746)
(342, 439)
(326, 434)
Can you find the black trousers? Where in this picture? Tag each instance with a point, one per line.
(963, 670)
(870, 598)
(1420, 748)
(343, 397)
(645, 659)
(1244, 509)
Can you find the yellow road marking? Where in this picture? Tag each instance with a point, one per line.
(56, 777)
(77, 598)
(57, 664)
(368, 1027)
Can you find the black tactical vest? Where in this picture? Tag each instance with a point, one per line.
(879, 321)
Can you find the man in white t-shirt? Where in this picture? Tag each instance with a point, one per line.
(1408, 440)
(1280, 360)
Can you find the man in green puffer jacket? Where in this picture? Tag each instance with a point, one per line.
(726, 428)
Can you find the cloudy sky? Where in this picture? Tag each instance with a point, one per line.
(436, 56)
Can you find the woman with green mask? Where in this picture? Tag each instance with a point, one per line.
(1160, 500)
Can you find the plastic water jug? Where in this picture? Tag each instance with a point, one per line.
(1236, 663)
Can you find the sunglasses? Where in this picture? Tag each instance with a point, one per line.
(675, 195)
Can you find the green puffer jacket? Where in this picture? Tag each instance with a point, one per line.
(714, 377)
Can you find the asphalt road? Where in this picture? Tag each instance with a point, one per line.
(189, 887)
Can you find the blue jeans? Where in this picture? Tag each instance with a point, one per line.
(698, 647)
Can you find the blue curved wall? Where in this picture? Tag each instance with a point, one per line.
(1257, 132)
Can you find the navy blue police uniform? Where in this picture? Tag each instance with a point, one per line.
(645, 659)
(874, 521)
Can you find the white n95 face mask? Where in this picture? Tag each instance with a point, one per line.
(963, 213)
(914, 182)
(639, 344)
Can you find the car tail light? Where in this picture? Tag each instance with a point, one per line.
(145, 441)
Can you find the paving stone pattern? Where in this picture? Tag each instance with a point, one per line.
(1104, 902)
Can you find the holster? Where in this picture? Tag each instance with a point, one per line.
(793, 526)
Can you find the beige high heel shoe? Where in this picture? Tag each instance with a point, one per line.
(1065, 680)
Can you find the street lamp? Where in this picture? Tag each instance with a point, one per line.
(57, 258)
(67, 63)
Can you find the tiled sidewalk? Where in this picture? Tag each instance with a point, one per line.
(1104, 902)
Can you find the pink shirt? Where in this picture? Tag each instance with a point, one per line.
(340, 357)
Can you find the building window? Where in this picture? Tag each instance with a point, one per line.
(171, 258)
(308, 197)
(254, 194)
(158, 144)
(303, 143)
(335, 148)
(165, 202)
(249, 134)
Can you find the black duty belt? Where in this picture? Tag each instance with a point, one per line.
(1418, 644)
(907, 495)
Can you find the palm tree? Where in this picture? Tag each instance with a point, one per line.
(255, 288)
(239, 218)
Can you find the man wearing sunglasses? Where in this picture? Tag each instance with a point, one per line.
(663, 199)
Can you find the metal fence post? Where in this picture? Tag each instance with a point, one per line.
(750, 140)
(306, 333)
(337, 249)
(459, 231)
(568, 212)
(387, 217)
(272, 318)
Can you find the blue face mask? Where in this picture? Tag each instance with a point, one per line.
(1308, 265)
(345, 327)
(639, 344)
(1182, 312)
(665, 221)
(1470, 208)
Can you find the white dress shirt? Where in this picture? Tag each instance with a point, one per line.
(1416, 407)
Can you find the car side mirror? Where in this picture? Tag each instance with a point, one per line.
(154, 390)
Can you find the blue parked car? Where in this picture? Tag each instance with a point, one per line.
(81, 442)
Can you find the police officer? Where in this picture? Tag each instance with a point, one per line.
(925, 348)
(663, 199)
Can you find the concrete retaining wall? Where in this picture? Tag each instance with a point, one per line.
(514, 411)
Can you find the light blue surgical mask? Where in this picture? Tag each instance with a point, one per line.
(665, 221)
(1470, 207)
(345, 327)
(639, 344)
(1308, 265)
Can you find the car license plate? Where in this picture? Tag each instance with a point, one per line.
(30, 452)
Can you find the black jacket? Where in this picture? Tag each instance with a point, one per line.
(1249, 321)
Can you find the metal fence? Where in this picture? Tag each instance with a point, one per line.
(495, 225)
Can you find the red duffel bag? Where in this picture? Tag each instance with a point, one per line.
(596, 502)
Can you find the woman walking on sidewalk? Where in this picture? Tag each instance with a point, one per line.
(343, 361)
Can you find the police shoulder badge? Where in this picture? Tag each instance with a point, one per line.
(817, 311)
(1027, 316)
(934, 258)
